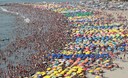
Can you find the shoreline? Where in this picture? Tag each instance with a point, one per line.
(41, 36)
(46, 25)
(27, 20)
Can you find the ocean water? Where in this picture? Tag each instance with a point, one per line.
(6, 1)
(7, 21)
(7, 24)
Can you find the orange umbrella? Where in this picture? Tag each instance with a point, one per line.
(85, 61)
(76, 62)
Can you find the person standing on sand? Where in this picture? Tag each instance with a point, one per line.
(124, 55)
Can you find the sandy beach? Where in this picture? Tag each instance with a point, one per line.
(116, 73)
(123, 12)
(66, 40)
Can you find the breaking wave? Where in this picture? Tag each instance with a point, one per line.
(27, 20)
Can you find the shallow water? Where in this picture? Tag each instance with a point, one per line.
(7, 24)
(6, 1)
(7, 21)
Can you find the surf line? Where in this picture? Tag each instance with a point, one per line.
(27, 20)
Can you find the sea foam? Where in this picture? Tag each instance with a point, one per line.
(27, 20)
(4, 10)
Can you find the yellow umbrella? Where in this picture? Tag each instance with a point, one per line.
(55, 72)
(68, 77)
(48, 69)
(91, 71)
(79, 71)
(74, 69)
(38, 72)
(47, 77)
(69, 72)
(88, 52)
(98, 69)
(127, 35)
(43, 73)
(79, 52)
(63, 72)
(97, 77)
(59, 70)
(58, 75)
(106, 61)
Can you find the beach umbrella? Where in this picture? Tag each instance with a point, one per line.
(47, 77)
(68, 77)
(69, 72)
(97, 77)
(43, 73)
(64, 71)
(58, 75)
(88, 52)
(98, 69)
(60, 70)
(106, 61)
(91, 71)
(74, 69)
(38, 72)
(48, 69)
(79, 71)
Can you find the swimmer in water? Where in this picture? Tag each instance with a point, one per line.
(4, 39)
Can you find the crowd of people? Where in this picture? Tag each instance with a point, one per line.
(96, 39)
(66, 41)
(46, 31)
